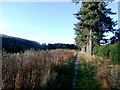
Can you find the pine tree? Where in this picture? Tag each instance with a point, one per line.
(116, 37)
(94, 21)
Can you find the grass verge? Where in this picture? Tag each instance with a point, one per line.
(87, 77)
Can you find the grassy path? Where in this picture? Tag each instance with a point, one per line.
(77, 60)
(86, 75)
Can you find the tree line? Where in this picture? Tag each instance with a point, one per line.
(14, 45)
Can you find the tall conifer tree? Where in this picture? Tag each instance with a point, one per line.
(93, 22)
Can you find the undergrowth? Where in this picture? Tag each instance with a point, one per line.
(37, 70)
(87, 77)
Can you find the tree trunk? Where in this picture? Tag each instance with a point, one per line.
(83, 48)
(87, 48)
(90, 42)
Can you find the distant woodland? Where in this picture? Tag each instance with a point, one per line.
(14, 45)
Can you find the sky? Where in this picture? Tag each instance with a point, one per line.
(44, 22)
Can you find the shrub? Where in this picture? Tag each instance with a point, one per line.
(115, 53)
(111, 51)
(95, 50)
(102, 51)
(87, 78)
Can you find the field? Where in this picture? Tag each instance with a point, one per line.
(38, 70)
(57, 70)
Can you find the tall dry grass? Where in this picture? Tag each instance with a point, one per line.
(35, 70)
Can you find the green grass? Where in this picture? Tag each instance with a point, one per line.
(87, 78)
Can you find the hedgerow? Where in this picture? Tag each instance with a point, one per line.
(110, 51)
(115, 53)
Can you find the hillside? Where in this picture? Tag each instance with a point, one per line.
(14, 44)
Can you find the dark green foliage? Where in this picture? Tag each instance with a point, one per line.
(115, 53)
(61, 46)
(87, 79)
(116, 37)
(102, 51)
(93, 16)
(95, 50)
(111, 51)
